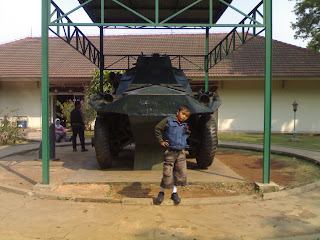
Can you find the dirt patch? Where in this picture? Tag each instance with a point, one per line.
(249, 165)
(190, 191)
(287, 172)
(96, 190)
(138, 191)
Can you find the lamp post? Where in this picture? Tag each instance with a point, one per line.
(295, 107)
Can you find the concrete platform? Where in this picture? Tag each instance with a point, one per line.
(122, 172)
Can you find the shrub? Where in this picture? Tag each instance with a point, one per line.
(9, 131)
(94, 86)
(88, 112)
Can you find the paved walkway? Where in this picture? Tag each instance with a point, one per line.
(82, 168)
(289, 214)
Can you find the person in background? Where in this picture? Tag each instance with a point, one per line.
(60, 131)
(78, 127)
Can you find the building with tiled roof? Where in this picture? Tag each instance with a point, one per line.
(239, 77)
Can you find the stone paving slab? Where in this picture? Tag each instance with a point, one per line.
(8, 150)
(217, 172)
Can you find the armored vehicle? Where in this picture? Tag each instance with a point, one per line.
(147, 93)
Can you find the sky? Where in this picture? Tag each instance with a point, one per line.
(22, 18)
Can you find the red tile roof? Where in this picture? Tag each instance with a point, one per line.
(22, 59)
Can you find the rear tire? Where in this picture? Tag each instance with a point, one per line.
(102, 142)
(208, 142)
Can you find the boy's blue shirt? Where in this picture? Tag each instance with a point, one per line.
(173, 131)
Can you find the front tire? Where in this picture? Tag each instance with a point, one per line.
(208, 141)
(102, 142)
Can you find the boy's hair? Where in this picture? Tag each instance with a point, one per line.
(184, 107)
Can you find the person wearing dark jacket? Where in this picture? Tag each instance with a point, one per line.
(78, 127)
(172, 133)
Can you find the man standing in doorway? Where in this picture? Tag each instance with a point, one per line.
(78, 127)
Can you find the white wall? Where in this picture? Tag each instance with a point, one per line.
(24, 96)
(242, 106)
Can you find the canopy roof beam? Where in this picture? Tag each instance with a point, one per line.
(157, 21)
(229, 43)
(81, 43)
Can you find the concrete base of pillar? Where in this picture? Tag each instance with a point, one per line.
(266, 187)
(45, 187)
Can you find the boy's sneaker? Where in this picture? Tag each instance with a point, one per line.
(75, 150)
(160, 198)
(84, 150)
(175, 198)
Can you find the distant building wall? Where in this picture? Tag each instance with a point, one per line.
(25, 97)
(242, 106)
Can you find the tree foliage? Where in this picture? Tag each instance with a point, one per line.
(94, 85)
(88, 112)
(9, 131)
(307, 25)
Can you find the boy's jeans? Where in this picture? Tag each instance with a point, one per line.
(174, 168)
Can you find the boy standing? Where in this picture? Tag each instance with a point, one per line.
(172, 133)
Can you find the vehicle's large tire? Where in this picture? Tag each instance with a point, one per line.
(102, 143)
(208, 142)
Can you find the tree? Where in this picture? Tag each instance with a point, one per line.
(94, 85)
(9, 131)
(307, 25)
(89, 114)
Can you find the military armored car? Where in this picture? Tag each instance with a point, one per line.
(150, 91)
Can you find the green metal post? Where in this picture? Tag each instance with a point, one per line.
(268, 89)
(101, 59)
(101, 48)
(102, 11)
(206, 67)
(210, 12)
(156, 12)
(45, 90)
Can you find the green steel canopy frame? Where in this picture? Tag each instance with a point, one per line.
(195, 14)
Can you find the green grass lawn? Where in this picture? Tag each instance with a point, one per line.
(306, 141)
(88, 134)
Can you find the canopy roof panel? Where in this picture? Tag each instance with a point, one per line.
(119, 11)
